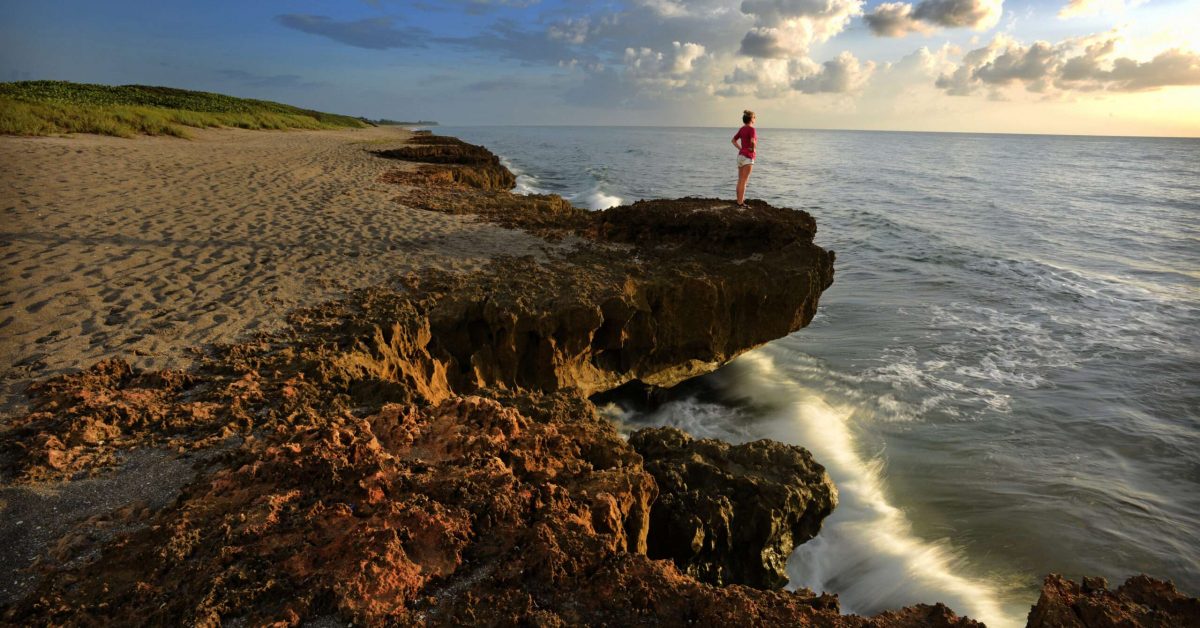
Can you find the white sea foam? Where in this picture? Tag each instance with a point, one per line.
(866, 552)
(526, 183)
(595, 199)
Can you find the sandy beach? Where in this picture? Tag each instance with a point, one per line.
(143, 248)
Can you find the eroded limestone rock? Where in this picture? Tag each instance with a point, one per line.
(1142, 602)
(732, 514)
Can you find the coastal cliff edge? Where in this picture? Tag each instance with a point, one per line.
(425, 452)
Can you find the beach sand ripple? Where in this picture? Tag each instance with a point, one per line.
(142, 248)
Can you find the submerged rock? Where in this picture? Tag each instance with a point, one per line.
(1142, 602)
(732, 514)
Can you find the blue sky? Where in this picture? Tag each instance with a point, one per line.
(1103, 66)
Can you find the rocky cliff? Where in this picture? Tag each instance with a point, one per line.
(425, 452)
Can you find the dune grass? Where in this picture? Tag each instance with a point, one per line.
(56, 107)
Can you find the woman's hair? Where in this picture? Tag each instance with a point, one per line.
(747, 116)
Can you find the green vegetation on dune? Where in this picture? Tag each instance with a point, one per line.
(387, 122)
(52, 107)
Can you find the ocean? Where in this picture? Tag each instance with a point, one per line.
(1003, 380)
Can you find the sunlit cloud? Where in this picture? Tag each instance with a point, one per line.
(898, 19)
(1083, 64)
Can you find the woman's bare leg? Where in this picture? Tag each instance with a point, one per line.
(743, 177)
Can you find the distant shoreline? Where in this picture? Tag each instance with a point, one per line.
(386, 122)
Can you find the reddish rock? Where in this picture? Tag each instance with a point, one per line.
(1141, 602)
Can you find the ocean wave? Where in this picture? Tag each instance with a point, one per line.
(866, 552)
(526, 183)
(595, 199)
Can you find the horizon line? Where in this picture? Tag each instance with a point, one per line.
(789, 128)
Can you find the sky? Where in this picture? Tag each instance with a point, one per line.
(1098, 67)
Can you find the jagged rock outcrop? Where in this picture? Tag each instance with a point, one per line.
(461, 163)
(361, 516)
(732, 514)
(674, 289)
(526, 509)
(1142, 602)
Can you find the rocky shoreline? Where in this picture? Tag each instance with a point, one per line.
(425, 452)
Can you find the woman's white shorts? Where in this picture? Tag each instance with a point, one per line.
(744, 161)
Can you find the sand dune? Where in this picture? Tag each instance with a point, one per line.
(142, 248)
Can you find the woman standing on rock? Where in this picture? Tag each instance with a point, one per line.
(748, 138)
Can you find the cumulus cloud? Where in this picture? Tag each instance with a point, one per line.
(913, 73)
(788, 28)
(763, 77)
(714, 47)
(769, 43)
(1079, 64)
(1173, 67)
(841, 75)
(771, 78)
(976, 14)
(897, 19)
(377, 33)
(667, 69)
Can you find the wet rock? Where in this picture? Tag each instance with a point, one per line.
(463, 163)
(732, 514)
(1141, 602)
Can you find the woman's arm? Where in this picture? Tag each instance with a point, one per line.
(734, 142)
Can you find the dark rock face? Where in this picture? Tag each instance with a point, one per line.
(1141, 602)
(732, 514)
